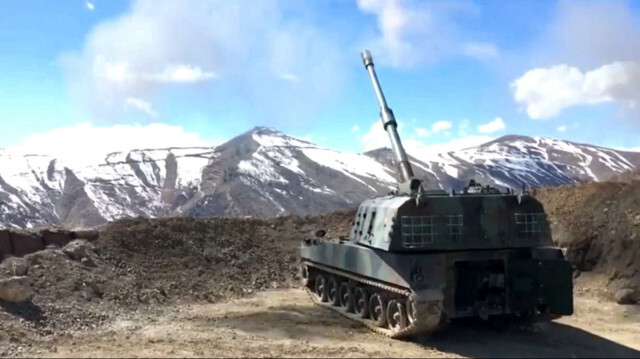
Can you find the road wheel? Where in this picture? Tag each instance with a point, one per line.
(396, 315)
(332, 291)
(378, 309)
(346, 297)
(361, 302)
(321, 288)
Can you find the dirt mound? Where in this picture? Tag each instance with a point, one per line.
(599, 224)
(136, 264)
(210, 259)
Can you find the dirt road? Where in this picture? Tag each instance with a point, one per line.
(284, 323)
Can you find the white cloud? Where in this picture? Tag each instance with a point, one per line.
(561, 128)
(480, 50)
(545, 92)
(247, 47)
(89, 5)
(120, 74)
(290, 77)
(183, 74)
(86, 144)
(589, 54)
(440, 126)
(141, 105)
(414, 32)
(493, 126)
(375, 138)
(355, 128)
(422, 132)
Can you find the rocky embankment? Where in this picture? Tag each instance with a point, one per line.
(20, 250)
(599, 224)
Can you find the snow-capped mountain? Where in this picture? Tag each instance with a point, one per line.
(265, 173)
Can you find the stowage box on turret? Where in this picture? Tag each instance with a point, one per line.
(415, 259)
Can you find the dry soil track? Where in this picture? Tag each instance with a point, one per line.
(283, 323)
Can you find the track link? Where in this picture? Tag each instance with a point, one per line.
(427, 314)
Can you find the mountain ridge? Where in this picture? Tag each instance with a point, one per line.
(264, 173)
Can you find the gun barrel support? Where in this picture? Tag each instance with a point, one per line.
(388, 122)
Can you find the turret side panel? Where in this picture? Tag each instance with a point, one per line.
(374, 221)
(469, 222)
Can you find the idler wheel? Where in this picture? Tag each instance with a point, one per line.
(396, 315)
(378, 309)
(346, 297)
(321, 288)
(332, 291)
(412, 312)
(361, 302)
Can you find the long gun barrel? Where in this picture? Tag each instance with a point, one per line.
(389, 122)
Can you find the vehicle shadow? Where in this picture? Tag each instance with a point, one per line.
(546, 340)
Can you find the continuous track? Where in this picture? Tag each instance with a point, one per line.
(413, 315)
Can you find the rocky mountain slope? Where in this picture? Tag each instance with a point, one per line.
(265, 173)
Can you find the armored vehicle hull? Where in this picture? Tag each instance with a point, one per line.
(416, 258)
(401, 294)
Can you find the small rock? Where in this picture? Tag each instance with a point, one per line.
(95, 289)
(78, 249)
(16, 289)
(87, 261)
(14, 266)
(41, 257)
(626, 296)
(162, 291)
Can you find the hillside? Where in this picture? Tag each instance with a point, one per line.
(264, 173)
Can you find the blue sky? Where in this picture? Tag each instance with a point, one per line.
(456, 73)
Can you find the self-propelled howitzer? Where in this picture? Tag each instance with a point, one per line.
(415, 259)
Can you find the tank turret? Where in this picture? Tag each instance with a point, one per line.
(415, 258)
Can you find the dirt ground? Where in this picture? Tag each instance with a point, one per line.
(284, 323)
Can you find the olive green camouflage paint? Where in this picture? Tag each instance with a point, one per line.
(488, 230)
(472, 221)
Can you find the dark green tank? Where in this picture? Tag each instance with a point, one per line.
(416, 259)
